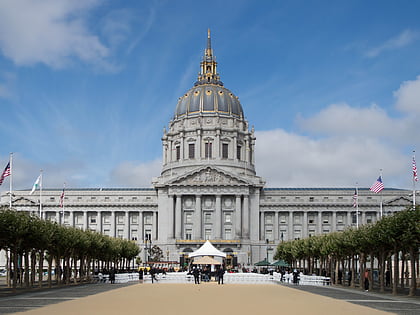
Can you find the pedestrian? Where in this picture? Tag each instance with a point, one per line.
(388, 278)
(295, 276)
(220, 274)
(366, 277)
(350, 277)
(141, 275)
(153, 274)
(196, 274)
(112, 276)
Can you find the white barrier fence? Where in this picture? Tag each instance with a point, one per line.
(244, 278)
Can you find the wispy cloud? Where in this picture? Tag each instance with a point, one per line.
(401, 40)
(51, 32)
(408, 96)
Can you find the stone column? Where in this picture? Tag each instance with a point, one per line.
(262, 226)
(290, 226)
(305, 224)
(217, 154)
(197, 218)
(245, 216)
(85, 220)
(178, 217)
(218, 217)
(334, 221)
(155, 231)
(171, 218)
(276, 226)
(363, 218)
(112, 225)
(99, 221)
(71, 218)
(349, 220)
(127, 225)
(238, 217)
(319, 222)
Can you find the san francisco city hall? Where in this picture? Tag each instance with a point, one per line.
(208, 189)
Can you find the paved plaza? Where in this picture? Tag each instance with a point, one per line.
(206, 298)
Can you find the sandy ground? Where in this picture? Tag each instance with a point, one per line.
(206, 298)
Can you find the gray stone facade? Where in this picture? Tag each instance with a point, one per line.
(208, 189)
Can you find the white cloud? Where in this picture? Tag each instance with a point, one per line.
(49, 32)
(408, 96)
(136, 174)
(290, 160)
(403, 39)
(344, 119)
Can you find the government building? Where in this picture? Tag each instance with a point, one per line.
(208, 189)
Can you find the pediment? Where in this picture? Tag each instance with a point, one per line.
(400, 201)
(208, 176)
(22, 201)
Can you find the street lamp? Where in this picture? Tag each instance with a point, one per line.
(148, 246)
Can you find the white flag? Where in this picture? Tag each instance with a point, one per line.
(36, 185)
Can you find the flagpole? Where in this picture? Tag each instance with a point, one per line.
(414, 179)
(380, 196)
(10, 182)
(40, 195)
(357, 207)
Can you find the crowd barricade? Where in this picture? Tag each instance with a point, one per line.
(239, 278)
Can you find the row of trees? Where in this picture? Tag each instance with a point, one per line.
(29, 240)
(395, 237)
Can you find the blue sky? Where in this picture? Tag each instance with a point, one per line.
(332, 88)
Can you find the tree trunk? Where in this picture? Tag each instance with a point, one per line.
(361, 271)
(402, 269)
(26, 269)
(413, 256)
(33, 267)
(15, 269)
(381, 265)
(41, 267)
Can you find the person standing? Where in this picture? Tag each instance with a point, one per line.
(220, 274)
(366, 277)
(196, 274)
(141, 275)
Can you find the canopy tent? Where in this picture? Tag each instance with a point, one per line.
(207, 249)
(264, 262)
(206, 260)
(280, 263)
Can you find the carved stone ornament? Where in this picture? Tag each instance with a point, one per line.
(210, 177)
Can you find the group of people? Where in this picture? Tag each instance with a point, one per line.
(205, 274)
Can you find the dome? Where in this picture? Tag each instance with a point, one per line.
(209, 98)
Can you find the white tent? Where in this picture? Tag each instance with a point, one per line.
(206, 260)
(207, 249)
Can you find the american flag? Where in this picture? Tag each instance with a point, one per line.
(355, 199)
(5, 173)
(415, 170)
(377, 186)
(62, 198)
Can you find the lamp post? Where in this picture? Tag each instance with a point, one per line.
(148, 246)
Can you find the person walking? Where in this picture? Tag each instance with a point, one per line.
(141, 275)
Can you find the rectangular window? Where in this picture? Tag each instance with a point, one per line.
(296, 219)
(238, 152)
(92, 220)
(228, 218)
(311, 199)
(353, 218)
(106, 218)
(134, 219)
(79, 219)
(134, 234)
(368, 219)
(188, 217)
(178, 152)
(207, 217)
(208, 150)
(228, 234)
(269, 235)
(148, 235)
(120, 219)
(207, 234)
(188, 234)
(311, 219)
(311, 232)
(120, 233)
(282, 219)
(191, 151)
(269, 219)
(340, 218)
(106, 232)
(225, 150)
(148, 219)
